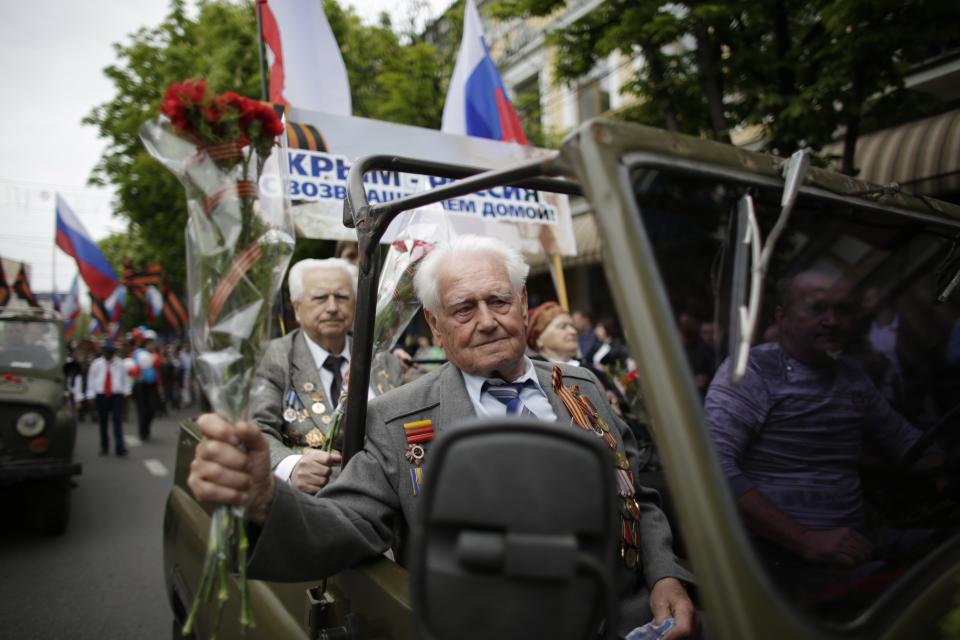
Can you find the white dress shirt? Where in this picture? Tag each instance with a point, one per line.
(533, 396)
(119, 380)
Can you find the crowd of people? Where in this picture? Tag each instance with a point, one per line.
(106, 378)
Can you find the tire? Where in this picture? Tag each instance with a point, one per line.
(52, 507)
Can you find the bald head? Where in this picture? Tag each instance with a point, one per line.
(814, 315)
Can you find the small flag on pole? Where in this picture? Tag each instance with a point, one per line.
(74, 240)
(70, 308)
(154, 300)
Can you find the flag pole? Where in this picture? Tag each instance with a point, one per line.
(261, 50)
(53, 256)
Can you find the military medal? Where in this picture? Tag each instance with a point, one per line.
(317, 407)
(584, 414)
(417, 433)
(315, 438)
(308, 387)
(292, 411)
(414, 453)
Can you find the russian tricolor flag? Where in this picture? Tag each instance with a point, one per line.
(74, 240)
(70, 308)
(477, 103)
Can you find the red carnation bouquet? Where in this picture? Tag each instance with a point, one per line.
(229, 153)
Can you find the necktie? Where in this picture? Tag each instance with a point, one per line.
(509, 395)
(333, 364)
(108, 382)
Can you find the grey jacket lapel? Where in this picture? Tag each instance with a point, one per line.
(455, 404)
(304, 373)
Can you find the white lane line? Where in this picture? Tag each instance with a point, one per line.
(132, 441)
(155, 467)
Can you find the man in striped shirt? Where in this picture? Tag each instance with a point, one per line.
(790, 435)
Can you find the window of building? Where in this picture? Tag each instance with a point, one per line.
(593, 99)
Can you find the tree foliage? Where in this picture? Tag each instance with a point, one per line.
(803, 70)
(393, 76)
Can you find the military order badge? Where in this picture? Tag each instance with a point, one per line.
(417, 432)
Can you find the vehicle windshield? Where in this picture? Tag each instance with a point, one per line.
(836, 444)
(27, 344)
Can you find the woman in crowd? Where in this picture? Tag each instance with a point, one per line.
(552, 336)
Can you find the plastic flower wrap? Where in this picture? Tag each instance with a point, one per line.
(397, 301)
(225, 151)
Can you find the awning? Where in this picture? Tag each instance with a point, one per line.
(923, 156)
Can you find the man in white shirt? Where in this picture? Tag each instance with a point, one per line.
(107, 384)
(298, 382)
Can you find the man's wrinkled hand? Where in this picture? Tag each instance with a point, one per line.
(668, 599)
(843, 546)
(231, 465)
(312, 471)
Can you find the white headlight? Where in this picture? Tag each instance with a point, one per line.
(30, 424)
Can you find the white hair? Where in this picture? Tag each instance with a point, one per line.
(425, 280)
(300, 270)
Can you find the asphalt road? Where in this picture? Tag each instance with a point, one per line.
(103, 578)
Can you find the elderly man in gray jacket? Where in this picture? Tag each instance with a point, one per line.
(298, 382)
(475, 301)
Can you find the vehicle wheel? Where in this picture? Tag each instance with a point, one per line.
(52, 507)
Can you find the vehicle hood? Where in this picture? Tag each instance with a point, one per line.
(25, 389)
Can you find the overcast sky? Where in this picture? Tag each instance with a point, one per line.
(53, 53)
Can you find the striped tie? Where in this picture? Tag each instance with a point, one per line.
(509, 395)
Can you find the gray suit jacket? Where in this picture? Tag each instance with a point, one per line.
(307, 537)
(288, 366)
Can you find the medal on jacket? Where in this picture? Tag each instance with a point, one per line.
(417, 433)
(585, 415)
(294, 410)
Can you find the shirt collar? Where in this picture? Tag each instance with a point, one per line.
(320, 354)
(474, 383)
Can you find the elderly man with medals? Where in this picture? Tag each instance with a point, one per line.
(475, 300)
(298, 382)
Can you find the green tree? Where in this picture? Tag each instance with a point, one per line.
(393, 77)
(219, 44)
(803, 71)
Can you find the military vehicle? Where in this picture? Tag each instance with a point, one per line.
(685, 219)
(37, 427)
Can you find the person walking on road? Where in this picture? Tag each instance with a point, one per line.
(107, 384)
(145, 394)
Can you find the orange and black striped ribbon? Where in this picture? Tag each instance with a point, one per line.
(21, 287)
(241, 264)
(4, 288)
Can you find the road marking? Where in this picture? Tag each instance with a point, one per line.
(155, 467)
(132, 441)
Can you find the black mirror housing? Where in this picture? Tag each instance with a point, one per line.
(517, 534)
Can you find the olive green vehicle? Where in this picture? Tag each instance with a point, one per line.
(37, 427)
(685, 219)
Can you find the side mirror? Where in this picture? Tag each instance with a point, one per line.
(516, 536)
